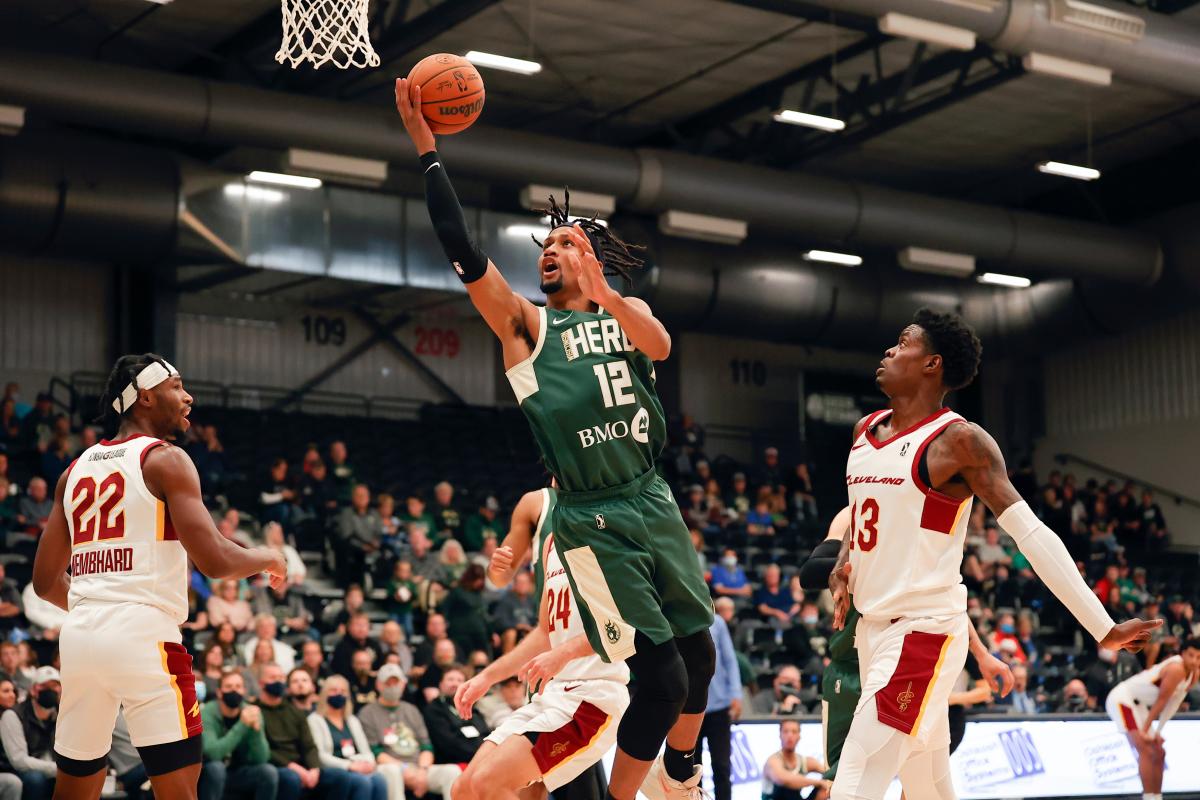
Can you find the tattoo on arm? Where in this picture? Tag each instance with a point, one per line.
(981, 465)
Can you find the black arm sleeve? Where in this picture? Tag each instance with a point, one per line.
(815, 572)
(449, 222)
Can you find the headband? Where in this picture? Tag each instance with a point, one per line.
(151, 375)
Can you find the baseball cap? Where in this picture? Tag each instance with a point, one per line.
(491, 504)
(389, 671)
(772, 451)
(45, 675)
(739, 476)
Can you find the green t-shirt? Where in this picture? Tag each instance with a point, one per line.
(480, 528)
(590, 400)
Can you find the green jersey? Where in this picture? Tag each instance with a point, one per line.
(841, 643)
(590, 399)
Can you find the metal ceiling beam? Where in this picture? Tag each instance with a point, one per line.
(812, 12)
(215, 278)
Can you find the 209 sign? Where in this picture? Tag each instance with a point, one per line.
(438, 342)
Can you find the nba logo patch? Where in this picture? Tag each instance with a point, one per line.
(600, 524)
(904, 448)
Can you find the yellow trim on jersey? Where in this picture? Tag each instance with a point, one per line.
(937, 668)
(162, 651)
(965, 504)
(599, 732)
(160, 526)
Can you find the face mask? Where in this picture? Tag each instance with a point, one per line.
(392, 694)
(729, 561)
(275, 688)
(47, 698)
(809, 619)
(336, 701)
(1008, 628)
(231, 699)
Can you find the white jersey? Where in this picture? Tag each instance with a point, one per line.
(907, 548)
(1142, 688)
(562, 608)
(123, 546)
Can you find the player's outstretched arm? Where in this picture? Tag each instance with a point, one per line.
(50, 579)
(171, 476)
(535, 642)
(998, 675)
(508, 314)
(977, 459)
(511, 553)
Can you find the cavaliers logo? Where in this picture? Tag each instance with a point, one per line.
(600, 523)
(905, 697)
(195, 709)
(612, 632)
(558, 749)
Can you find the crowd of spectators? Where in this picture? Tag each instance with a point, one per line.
(346, 692)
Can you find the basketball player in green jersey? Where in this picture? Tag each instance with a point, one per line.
(582, 368)
(841, 685)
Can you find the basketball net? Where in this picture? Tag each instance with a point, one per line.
(326, 32)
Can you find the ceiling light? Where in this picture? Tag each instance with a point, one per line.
(1068, 170)
(159, 2)
(1064, 68)
(281, 179)
(521, 231)
(702, 227)
(536, 197)
(242, 191)
(924, 30)
(346, 169)
(1000, 279)
(830, 257)
(936, 262)
(809, 120)
(12, 119)
(518, 65)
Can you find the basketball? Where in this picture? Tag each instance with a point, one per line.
(451, 92)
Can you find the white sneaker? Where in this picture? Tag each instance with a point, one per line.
(661, 786)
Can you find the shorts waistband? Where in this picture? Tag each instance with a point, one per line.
(621, 491)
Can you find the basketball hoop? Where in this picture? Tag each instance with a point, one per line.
(326, 31)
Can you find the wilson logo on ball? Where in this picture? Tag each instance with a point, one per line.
(462, 109)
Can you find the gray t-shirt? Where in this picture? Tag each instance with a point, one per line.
(398, 731)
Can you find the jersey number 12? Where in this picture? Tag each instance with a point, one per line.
(615, 384)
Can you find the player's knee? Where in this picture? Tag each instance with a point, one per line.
(661, 672)
(700, 660)
(80, 769)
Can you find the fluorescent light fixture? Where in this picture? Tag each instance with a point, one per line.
(936, 262)
(603, 223)
(1000, 279)
(281, 179)
(1068, 170)
(518, 65)
(1064, 68)
(346, 169)
(830, 257)
(159, 2)
(12, 119)
(975, 5)
(924, 30)
(809, 120)
(702, 227)
(241, 191)
(524, 231)
(536, 197)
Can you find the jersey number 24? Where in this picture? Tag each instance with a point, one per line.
(559, 607)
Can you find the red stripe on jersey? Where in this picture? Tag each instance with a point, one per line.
(146, 452)
(179, 664)
(1127, 717)
(554, 747)
(169, 532)
(899, 703)
(878, 444)
(939, 512)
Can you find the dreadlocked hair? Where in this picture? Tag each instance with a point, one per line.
(616, 257)
(123, 373)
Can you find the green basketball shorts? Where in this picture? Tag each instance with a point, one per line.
(840, 690)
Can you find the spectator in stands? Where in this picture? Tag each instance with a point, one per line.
(232, 520)
(1157, 636)
(1103, 527)
(360, 532)
(213, 667)
(209, 456)
(394, 645)
(273, 537)
(10, 424)
(286, 606)
(991, 553)
(1128, 517)
(1108, 669)
(261, 657)
(28, 662)
(786, 772)
(698, 546)
(236, 753)
(8, 695)
(266, 630)
(293, 752)
(10, 667)
(416, 515)
(8, 502)
(499, 704)
(341, 472)
(454, 739)
(1006, 631)
(362, 676)
(774, 600)
(738, 501)
(312, 454)
(728, 578)
(517, 612)
(760, 521)
(402, 595)
(1075, 698)
(724, 707)
(27, 736)
(784, 697)
(1106, 584)
(435, 631)
(393, 532)
(770, 474)
(800, 493)
(11, 605)
(452, 563)
(45, 618)
(312, 661)
(483, 525)
(426, 564)
(1133, 586)
(37, 427)
(56, 458)
(342, 744)
(318, 493)
(357, 637)
(448, 521)
(1025, 638)
(1020, 700)
(352, 603)
(277, 497)
(693, 438)
(226, 606)
(34, 507)
(466, 614)
(1154, 525)
(398, 738)
(226, 636)
(429, 678)
(695, 509)
(87, 438)
(302, 690)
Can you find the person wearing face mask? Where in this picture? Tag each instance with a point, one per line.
(27, 735)
(236, 753)
(400, 741)
(342, 744)
(728, 578)
(293, 752)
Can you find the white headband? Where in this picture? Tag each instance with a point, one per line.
(151, 375)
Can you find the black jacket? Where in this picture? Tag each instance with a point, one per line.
(450, 734)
